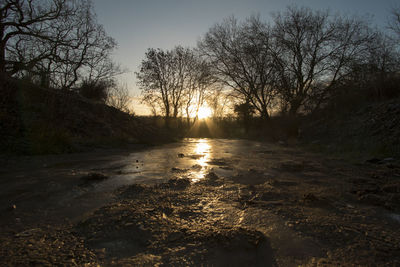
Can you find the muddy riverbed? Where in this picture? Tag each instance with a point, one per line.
(199, 202)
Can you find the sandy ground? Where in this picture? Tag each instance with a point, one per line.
(220, 204)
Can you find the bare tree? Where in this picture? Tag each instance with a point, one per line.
(119, 98)
(394, 22)
(375, 74)
(156, 79)
(19, 19)
(154, 103)
(314, 51)
(198, 81)
(58, 41)
(174, 80)
(383, 57)
(240, 57)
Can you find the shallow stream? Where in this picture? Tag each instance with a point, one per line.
(54, 183)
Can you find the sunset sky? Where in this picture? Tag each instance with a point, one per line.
(140, 24)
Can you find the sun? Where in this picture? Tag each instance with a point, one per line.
(204, 112)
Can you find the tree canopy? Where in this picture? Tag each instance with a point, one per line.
(58, 42)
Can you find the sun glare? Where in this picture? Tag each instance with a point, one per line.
(203, 149)
(204, 112)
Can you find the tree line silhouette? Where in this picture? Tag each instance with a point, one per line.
(59, 44)
(303, 61)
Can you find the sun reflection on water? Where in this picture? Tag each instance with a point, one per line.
(202, 149)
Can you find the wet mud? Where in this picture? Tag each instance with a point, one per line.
(236, 204)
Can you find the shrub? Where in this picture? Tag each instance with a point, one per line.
(96, 90)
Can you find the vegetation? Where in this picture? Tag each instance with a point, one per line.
(57, 43)
(297, 65)
(36, 120)
(255, 79)
(57, 78)
(330, 81)
(273, 80)
(174, 82)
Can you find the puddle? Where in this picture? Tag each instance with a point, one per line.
(191, 158)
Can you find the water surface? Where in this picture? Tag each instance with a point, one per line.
(55, 182)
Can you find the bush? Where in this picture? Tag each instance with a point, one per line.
(95, 90)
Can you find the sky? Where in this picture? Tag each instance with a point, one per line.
(137, 25)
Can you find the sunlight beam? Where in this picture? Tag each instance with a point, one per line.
(204, 112)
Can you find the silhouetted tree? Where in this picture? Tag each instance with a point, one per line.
(314, 51)
(219, 100)
(240, 56)
(244, 112)
(373, 77)
(394, 22)
(119, 98)
(58, 41)
(154, 103)
(173, 80)
(157, 80)
(198, 82)
(25, 19)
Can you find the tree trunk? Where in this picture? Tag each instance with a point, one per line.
(294, 107)
(265, 115)
(2, 53)
(187, 117)
(167, 121)
(2, 46)
(167, 116)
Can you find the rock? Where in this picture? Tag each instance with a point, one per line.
(181, 183)
(167, 210)
(386, 160)
(28, 233)
(197, 167)
(175, 236)
(211, 176)
(391, 188)
(374, 161)
(218, 162)
(292, 166)
(196, 156)
(393, 107)
(310, 197)
(178, 170)
(282, 143)
(227, 168)
(392, 166)
(94, 177)
(371, 199)
(133, 190)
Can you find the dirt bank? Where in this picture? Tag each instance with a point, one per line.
(36, 120)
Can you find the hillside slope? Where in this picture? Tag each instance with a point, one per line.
(34, 120)
(370, 130)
